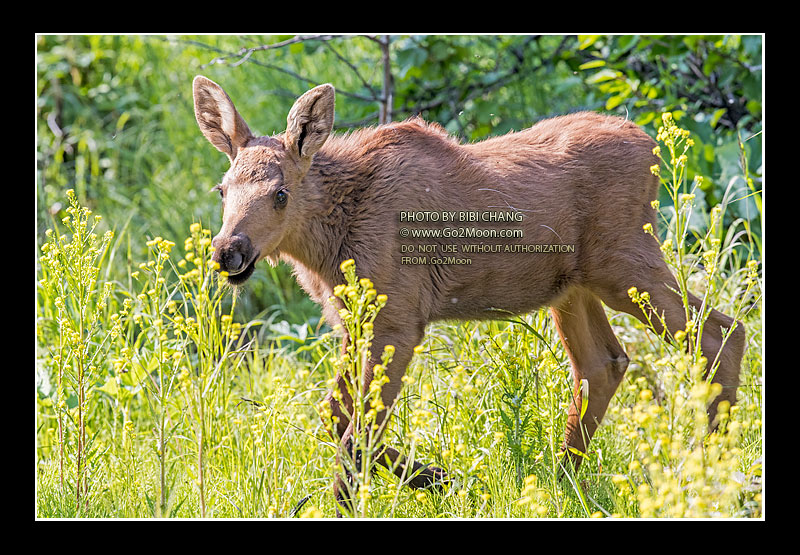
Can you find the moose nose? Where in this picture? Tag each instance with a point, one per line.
(233, 253)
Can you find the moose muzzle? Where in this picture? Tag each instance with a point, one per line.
(235, 255)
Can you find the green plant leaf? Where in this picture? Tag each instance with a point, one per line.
(576, 452)
(606, 74)
(592, 64)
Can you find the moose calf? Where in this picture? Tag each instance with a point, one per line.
(581, 181)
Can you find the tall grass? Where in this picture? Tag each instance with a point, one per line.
(163, 392)
(77, 340)
(154, 401)
(116, 125)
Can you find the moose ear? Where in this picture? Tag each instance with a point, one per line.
(310, 121)
(217, 117)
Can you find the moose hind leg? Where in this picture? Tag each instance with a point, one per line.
(723, 339)
(598, 364)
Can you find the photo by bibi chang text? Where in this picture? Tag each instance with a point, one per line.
(460, 216)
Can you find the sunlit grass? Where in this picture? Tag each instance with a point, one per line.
(154, 399)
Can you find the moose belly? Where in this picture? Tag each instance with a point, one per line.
(496, 284)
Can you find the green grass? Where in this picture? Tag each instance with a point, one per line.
(163, 392)
(167, 407)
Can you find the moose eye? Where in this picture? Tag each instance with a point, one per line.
(218, 188)
(281, 198)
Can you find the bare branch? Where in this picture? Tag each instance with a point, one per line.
(353, 68)
(245, 53)
(226, 55)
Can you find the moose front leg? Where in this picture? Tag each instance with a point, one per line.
(364, 429)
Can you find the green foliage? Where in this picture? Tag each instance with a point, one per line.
(678, 469)
(477, 86)
(116, 124)
(717, 77)
(74, 329)
(712, 85)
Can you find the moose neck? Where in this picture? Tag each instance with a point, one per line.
(319, 242)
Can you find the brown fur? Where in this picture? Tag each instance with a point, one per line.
(581, 180)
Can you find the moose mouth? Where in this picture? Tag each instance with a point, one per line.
(240, 277)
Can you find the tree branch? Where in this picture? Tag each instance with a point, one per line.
(354, 69)
(244, 56)
(245, 53)
(387, 96)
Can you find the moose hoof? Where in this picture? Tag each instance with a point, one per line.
(430, 477)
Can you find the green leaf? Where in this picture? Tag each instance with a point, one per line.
(587, 40)
(409, 58)
(716, 115)
(576, 452)
(592, 64)
(606, 74)
(528, 327)
(110, 387)
(138, 372)
(614, 101)
(506, 419)
(627, 41)
(123, 119)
